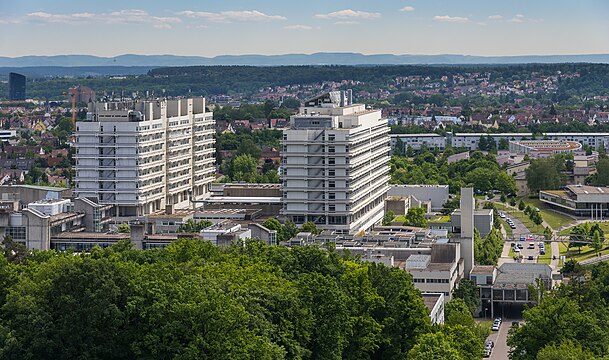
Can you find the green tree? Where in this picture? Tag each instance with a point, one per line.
(601, 178)
(547, 232)
(398, 148)
(596, 244)
(243, 168)
(555, 320)
(521, 205)
(15, 252)
(310, 227)
(409, 151)
(123, 228)
(566, 350)
(434, 346)
(456, 312)
(416, 217)
(545, 173)
(503, 198)
(504, 144)
(469, 293)
(512, 201)
(388, 218)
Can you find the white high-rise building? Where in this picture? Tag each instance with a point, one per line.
(335, 164)
(145, 156)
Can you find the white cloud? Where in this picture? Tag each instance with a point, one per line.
(298, 27)
(115, 17)
(230, 16)
(495, 17)
(348, 14)
(446, 18)
(346, 23)
(517, 19)
(407, 9)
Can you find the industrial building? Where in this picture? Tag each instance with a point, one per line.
(335, 170)
(145, 156)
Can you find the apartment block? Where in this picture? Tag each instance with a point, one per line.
(335, 160)
(145, 156)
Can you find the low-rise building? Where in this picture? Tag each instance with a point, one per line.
(581, 200)
(543, 148)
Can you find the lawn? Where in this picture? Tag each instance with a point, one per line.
(547, 258)
(508, 229)
(586, 252)
(604, 226)
(553, 218)
(524, 218)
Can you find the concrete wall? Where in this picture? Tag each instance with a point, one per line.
(437, 194)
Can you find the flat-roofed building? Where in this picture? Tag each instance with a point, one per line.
(335, 164)
(543, 148)
(580, 200)
(145, 156)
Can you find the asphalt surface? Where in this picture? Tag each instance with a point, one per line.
(501, 350)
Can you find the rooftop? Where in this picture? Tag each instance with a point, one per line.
(588, 190)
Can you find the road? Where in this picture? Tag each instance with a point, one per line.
(501, 350)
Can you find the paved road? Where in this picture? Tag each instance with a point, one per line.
(501, 350)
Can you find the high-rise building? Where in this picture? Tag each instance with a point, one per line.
(335, 160)
(16, 86)
(145, 156)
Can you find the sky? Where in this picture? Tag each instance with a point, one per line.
(211, 28)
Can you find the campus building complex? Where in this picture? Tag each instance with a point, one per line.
(335, 169)
(145, 156)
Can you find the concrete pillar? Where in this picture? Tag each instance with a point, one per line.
(467, 230)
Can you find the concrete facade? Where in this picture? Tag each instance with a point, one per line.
(436, 194)
(145, 156)
(335, 162)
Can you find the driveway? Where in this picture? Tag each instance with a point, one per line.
(501, 350)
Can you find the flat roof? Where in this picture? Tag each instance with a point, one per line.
(244, 199)
(588, 190)
(43, 188)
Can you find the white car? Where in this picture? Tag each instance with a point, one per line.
(496, 326)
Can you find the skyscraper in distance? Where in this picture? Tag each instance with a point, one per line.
(16, 86)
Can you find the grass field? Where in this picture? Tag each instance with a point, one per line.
(586, 252)
(604, 226)
(553, 218)
(547, 258)
(508, 229)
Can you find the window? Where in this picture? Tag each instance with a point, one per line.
(331, 208)
(331, 149)
(331, 161)
(332, 172)
(331, 196)
(331, 137)
(331, 184)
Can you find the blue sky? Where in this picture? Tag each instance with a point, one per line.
(209, 28)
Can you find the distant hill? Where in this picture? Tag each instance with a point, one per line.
(74, 71)
(289, 59)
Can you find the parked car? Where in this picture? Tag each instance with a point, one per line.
(522, 238)
(513, 226)
(520, 246)
(531, 257)
(531, 246)
(495, 326)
